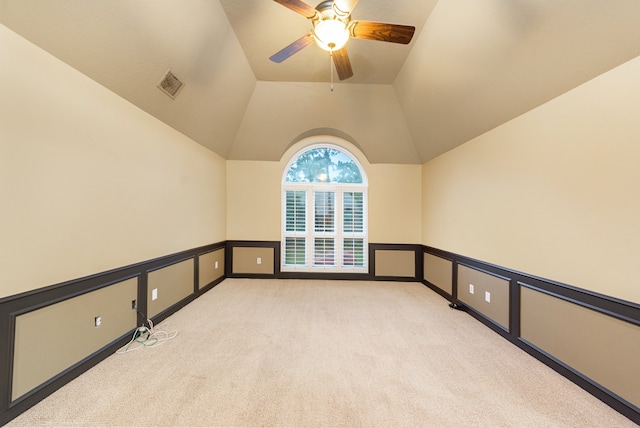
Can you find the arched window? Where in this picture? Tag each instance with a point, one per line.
(324, 212)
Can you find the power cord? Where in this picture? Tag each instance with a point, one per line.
(147, 337)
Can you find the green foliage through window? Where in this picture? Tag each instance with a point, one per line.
(324, 165)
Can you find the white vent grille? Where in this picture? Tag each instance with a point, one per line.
(170, 84)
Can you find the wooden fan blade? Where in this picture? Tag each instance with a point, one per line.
(299, 7)
(393, 33)
(294, 47)
(345, 6)
(343, 64)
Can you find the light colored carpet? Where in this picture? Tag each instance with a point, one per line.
(323, 353)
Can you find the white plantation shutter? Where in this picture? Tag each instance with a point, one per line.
(295, 251)
(353, 212)
(324, 223)
(353, 254)
(295, 211)
(353, 228)
(324, 212)
(324, 252)
(295, 228)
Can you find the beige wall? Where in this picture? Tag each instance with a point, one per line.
(394, 204)
(552, 193)
(88, 182)
(254, 198)
(370, 114)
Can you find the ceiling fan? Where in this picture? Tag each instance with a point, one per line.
(332, 29)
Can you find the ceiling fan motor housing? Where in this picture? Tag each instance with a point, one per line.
(328, 10)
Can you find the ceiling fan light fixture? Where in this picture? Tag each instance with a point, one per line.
(333, 28)
(331, 34)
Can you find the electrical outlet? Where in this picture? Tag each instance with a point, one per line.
(471, 290)
(259, 261)
(154, 294)
(487, 297)
(216, 265)
(97, 321)
(134, 305)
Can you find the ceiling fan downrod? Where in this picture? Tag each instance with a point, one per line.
(331, 68)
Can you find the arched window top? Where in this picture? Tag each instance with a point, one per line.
(324, 164)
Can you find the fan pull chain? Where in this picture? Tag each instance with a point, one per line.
(331, 68)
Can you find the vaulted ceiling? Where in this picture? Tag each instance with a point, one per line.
(472, 65)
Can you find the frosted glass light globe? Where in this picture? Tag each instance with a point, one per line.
(331, 34)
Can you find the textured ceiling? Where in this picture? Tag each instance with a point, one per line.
(472, 65)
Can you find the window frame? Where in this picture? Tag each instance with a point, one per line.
(338, 233)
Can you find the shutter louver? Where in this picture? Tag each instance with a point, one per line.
(295, 208)
(353, 254)
(295, 253)
(324, 252)
(324, 220)
(353, 227)
(295, 211)
(353, 212)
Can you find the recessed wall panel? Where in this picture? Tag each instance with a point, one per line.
(52, 339)
(171, 284)
(603, 348)
(439, 272)
(395, 263)
(253, 260)
(487, 294)
(210, 267)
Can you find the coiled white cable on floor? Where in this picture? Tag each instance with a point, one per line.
(144, 337)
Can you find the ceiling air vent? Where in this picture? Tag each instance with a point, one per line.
(170, 84)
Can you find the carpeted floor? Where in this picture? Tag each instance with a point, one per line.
(323, 353)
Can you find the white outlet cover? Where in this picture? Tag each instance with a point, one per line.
(216, 265)
(98, 321)
(471, 289)
(259, 261)
(487, 297)
(154, 294)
